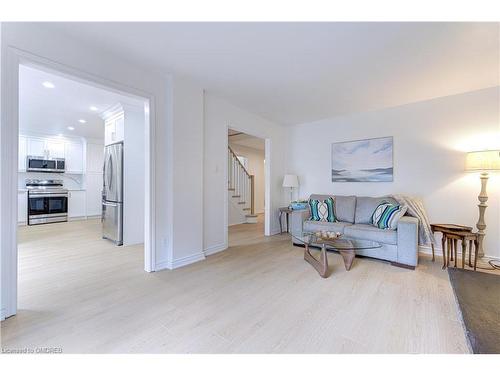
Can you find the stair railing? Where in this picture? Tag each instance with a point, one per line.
(240, 182)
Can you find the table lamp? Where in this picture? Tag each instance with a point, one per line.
(291, 181)
(484, 162)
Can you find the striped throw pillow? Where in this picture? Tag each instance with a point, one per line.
(322, 210)
(387, 215)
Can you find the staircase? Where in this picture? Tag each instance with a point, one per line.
(240, 186)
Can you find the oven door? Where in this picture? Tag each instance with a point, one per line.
(47, 208)
(57, 204)
(37, 205)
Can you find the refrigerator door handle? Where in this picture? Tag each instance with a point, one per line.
(110, 204)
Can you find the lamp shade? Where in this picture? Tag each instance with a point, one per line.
(483, 160)
(291, 181)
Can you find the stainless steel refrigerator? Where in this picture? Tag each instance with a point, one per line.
(112, 194)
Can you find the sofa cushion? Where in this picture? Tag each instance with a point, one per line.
(322, 210)
(365, 207)
(371, 233)
(314, 226)
(344, 206)
(387, 215)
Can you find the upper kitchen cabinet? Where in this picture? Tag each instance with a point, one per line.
(45, 147)
(73, 153)
(55, 148)
(37, 147)
(114, 119)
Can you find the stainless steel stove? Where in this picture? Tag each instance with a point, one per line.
(47, 201)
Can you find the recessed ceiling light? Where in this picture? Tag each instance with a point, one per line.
(93, 108)
(82, 121)
(48, 85)
(71, 128)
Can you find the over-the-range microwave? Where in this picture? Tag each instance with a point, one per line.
(41, 164)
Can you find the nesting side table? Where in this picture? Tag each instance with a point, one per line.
(452, 233)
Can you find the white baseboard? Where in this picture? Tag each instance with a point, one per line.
(242, 222)
(77, 218)
(214, 249)
(438, 252)
(184, 261)
(160, 266)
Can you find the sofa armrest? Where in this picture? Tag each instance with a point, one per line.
(297, 220)
(408, 240)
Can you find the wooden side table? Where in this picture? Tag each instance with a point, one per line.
(452, 233)
(452, 239)
(287, 211)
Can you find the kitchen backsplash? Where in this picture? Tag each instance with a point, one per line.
(71, 181)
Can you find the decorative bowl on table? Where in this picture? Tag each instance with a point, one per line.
(327, 235)
(298, 205)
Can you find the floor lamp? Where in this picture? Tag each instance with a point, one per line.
(484, 162)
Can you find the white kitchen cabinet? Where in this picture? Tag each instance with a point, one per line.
(114, 122)
(76, 204)
(109, 132)
(119, 128)
(94, 194)
(55, 149)
(22, 153)
(22, 207)
(36, 147)
(73, 153)
(95, 157)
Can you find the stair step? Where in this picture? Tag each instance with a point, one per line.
(231, 189)
(236, 196)
(250, 215)
(247, 209)
(242, 202)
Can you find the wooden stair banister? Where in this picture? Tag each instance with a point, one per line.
(241, 182)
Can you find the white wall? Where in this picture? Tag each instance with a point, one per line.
(134, 142)
(187, 189)
(255, 167)
(219, 115)
(430, 141)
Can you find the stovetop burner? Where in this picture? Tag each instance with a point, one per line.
(44, 183)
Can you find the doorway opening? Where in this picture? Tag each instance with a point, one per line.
(246, 180)
(83, 181)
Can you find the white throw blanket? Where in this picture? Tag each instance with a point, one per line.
(416, 209)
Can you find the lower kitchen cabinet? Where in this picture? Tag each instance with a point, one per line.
(22, 207)
(76, 204)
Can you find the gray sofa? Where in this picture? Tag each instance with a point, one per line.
(400, 247)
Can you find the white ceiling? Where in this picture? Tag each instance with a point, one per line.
(300, 72)
(52, 110)
(242, 139)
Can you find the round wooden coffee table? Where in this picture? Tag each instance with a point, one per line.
(344, 245)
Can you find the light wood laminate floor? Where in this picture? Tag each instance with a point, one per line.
(83, 294)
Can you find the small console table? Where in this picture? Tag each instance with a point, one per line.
(287, 211)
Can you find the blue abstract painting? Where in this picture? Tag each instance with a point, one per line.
(368, 160)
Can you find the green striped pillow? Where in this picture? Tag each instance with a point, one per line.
(322, 210)
(387, 215)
